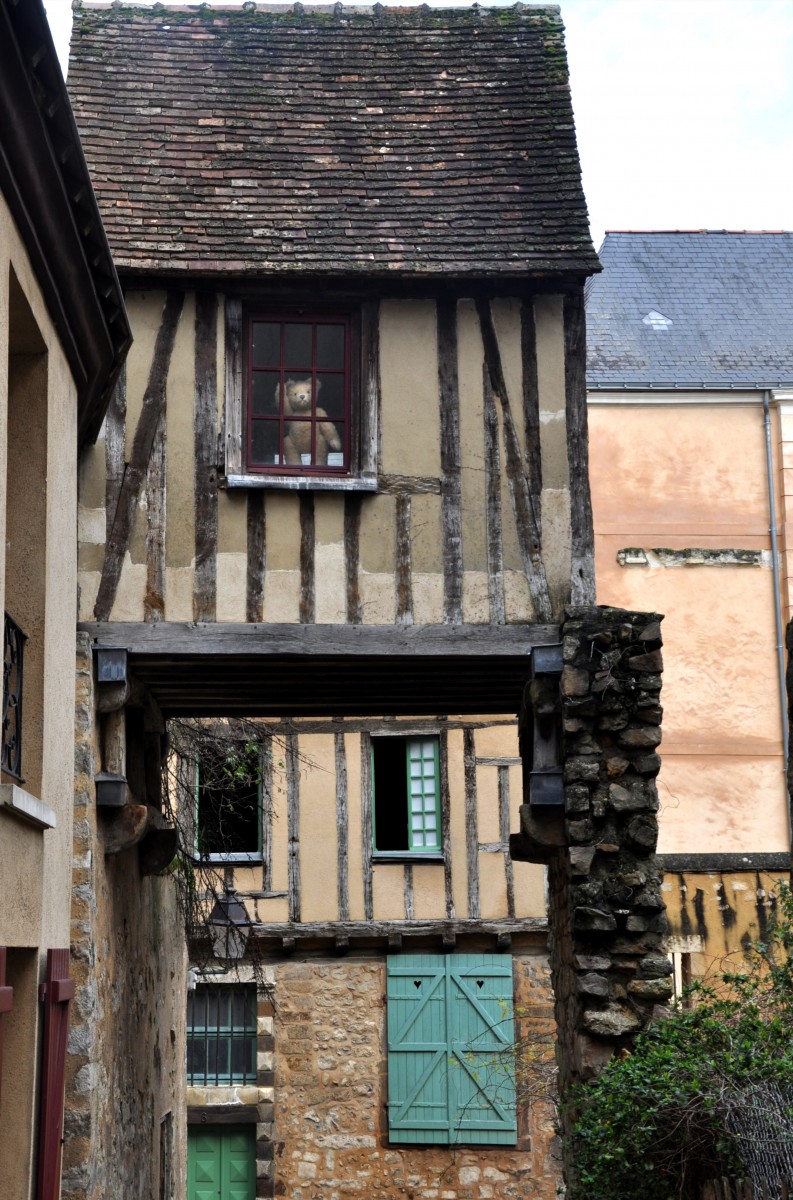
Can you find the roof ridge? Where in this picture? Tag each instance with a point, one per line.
(340, 9)
(702, 231)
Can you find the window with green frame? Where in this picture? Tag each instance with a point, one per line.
(221, 1034)
(406, 796)
(228, 807)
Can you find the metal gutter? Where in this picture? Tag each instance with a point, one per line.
(780, 630)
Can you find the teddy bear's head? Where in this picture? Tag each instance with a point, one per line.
(297, 395)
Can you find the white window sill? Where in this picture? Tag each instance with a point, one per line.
(305, 483)
(20, 803)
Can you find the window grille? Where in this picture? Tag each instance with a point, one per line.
(13, 653)
(221, 1034)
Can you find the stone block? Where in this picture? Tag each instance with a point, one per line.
(651, 989)
(588, 919)
(611, 1022)
(593, 984)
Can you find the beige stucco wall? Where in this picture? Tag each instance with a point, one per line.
(683, 476)
(409, 439)
(38, 580)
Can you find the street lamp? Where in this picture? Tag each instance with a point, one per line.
(229, 926)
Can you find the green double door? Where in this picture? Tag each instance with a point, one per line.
(221, 1163)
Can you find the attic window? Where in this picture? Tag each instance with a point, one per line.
(656, 320)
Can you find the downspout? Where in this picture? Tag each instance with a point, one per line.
(780, 631)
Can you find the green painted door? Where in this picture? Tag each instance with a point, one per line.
(221, 1163)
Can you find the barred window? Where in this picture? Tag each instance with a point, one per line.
(221, 1034)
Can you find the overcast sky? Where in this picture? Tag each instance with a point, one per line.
(684, 110)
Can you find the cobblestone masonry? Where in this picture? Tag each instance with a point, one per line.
(331, 1135)
(124, 1068)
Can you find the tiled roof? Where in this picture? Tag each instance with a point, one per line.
(331, 140)
(692, 308)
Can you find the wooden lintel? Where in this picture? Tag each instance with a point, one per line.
(222, 1114)
(394, 934)
(213, 640)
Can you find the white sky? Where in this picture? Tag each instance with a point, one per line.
(684, 110)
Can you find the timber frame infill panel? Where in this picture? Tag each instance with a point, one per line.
(361, 475)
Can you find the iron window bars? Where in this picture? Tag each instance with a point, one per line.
(13, 657)
(221, 1034)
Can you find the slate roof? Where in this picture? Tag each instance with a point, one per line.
(331, 140)
(691, 308)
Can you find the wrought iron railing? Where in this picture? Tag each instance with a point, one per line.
(13, 656)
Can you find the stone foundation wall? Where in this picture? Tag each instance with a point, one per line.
(331, 1121)
(125, 1068)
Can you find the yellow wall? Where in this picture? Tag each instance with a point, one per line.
(683, 476)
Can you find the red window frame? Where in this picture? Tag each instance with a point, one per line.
(280, 375)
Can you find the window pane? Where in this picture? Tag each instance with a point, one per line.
(331, 395)
(297, 346)
(330, 346)
(264, 443)
(266, 394)
(266, 343)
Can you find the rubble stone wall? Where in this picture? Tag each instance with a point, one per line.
(331, 1117)
(124, 1069)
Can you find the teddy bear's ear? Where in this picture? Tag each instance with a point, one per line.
(317, 385)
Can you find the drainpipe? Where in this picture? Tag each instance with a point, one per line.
(780, 631)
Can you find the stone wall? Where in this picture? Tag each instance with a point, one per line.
(331, 1120)
(125, 1068)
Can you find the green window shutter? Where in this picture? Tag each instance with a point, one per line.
(422, 780)
(450, 1038)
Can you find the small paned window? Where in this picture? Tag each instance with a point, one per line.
(451, 1049)
(229, 808)
(406, 796)
(299, 395)
(221, 1034)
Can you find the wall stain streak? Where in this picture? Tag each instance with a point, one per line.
(526, 526)
(699, 914)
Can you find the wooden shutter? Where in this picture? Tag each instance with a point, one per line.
(57, 992)
(6, 1001)
(450, 1037)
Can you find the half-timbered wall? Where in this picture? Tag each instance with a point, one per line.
(477, 424)
(317, 863)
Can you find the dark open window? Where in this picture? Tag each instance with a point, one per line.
(406, 796)
(228, 806)
(221, 1034)
(299, 395)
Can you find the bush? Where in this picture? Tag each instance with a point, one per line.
(675, 1113)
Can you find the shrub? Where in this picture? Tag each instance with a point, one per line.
(677, 1112)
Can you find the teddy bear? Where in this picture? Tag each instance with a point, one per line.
(297, 439)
